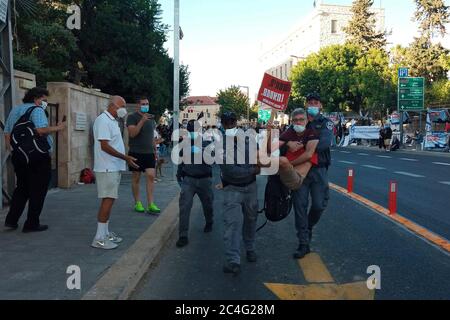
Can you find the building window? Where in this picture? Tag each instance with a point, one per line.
(333, 26)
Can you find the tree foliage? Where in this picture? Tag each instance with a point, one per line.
(361, 30)
(346, 77)
(234, 100)
(119, 49)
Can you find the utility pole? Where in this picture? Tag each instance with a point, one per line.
(7, 94)
(176, 75)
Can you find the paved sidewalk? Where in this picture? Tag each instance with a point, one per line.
(34, 265)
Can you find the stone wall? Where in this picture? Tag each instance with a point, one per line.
(75, 147)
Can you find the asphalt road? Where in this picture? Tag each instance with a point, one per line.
(349, 239)
(423, 183)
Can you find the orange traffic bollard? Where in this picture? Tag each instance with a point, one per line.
(350, 180)
(393, 197)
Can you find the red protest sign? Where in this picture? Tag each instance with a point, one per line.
(275, 92)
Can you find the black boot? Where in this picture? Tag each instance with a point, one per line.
(302, 251)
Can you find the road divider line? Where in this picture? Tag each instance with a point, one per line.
(363, 154)
(445, 182)
(374, 167)
(407, 159)
(412, 226)
(442, 164)
(346, 152)
(347, 162)
(385, 157)
(409, 174)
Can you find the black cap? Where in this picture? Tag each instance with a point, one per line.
(229, 116)
(313, 96)
(191, 126)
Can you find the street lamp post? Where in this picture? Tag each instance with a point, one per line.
(176, 74)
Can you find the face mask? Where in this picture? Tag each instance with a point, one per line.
(145, 109)
(194, 135)
(196, 150)
(299, 129)
(313, 111)
(44, 105)
(231, 132)
(122, 113)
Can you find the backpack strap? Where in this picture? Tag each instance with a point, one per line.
(27, 115)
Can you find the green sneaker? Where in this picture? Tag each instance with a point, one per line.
(139, 207)
(153, 208)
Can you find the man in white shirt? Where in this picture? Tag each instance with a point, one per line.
(110, 161)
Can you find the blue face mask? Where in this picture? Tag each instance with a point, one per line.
(194, 135)
(313, 111)
(196, 150)
(145, 109)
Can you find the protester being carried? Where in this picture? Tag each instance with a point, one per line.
(295, 142)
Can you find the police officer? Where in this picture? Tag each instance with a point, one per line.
(195, 179)
(316, 183)
(240, 207)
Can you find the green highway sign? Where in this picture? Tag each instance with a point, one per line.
(411, 94)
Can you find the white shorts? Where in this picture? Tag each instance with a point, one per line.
(108, 184)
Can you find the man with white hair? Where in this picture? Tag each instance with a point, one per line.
(110, 160)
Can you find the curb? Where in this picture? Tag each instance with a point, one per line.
(122, 277)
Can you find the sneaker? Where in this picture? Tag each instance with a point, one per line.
(182, 242)
(153, 208)
(104, 244)
(208, 228)
(114, 238)
(233, 268)
(252, 257)
(302, 251)
(139, 207)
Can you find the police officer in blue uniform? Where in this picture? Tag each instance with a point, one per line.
(194, 179)
(240, 207)
(316, 183)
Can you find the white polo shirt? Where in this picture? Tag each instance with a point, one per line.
(107, 128)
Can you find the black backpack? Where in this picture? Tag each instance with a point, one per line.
(277, 202)
(28, 146)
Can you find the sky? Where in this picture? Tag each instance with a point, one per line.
(224, 39)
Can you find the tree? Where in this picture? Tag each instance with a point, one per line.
(119, 49)
(346, 77)
(233, 100)
(424, 56)
(361, 30)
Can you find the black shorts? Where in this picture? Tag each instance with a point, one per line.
(144, 161)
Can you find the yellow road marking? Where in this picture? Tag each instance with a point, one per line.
(322, 287)
(417, 229)
(315, 270)
(352, 291)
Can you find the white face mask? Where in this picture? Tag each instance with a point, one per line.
(231, 132)
(122, 113)
(299, 129)
(44, 105)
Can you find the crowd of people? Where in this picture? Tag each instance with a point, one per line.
(304, 148)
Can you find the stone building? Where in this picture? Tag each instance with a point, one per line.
(321, 28)
(197, 105)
